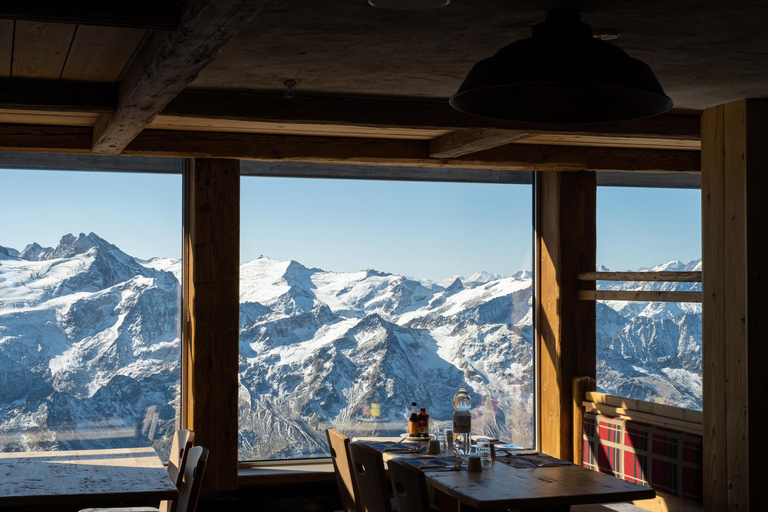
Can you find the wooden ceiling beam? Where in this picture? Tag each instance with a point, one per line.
(402, 113)
(57, 96)
(352, 151)
(472, 140)
(168, 62)
(147, 14)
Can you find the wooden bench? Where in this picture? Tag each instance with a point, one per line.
(621, 436)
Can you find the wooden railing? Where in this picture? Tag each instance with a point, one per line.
(642, 295)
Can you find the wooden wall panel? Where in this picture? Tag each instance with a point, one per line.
(40, 49)
(735, 252)
(566, 204)
(211, 305)
(99, 54)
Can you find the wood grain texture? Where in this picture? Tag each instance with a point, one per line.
(366, 151)
(737, 458)
(6, 47)
(736, 253)
(40, 49)
(166, 122)
(664, 503)
(99, 54)
(503, 487)
(401, 113)
(608, 141)
(713, 308)
(168, 62)
(49, 97)
(661, 410)
(472, 140)
(211, 298)
(130, 475)
(643, 417)
(356, 151)
(640, 296)
(756, 158)
(581, 388)
(677, 277)
(144, 14)
(566, 204)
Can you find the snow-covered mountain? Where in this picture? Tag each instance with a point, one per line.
(89, 351)
(651, 351)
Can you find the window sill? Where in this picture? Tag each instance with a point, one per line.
(264, 473)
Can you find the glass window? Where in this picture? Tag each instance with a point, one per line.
(360, 297)
(649, 351)
(89, 310)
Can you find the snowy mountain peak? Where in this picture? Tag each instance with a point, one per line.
(456, 286)
(8, 252)
(484, 276)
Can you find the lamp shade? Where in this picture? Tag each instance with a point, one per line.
(561, 74)
(409, 5)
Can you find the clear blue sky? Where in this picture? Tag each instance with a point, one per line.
(645, 227)
(426, 230)
(139, 213)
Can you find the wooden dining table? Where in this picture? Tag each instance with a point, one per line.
(552, 487)
(84, 477)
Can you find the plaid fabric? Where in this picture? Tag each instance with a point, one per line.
(667, 460)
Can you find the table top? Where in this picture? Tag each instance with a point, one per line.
(505, 487)
(84, 477)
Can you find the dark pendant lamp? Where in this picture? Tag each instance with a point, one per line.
(409, 5)
(561, 75)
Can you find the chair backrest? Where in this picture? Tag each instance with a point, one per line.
(182, 441)
(191, 480)
(372, 487)
(409, 486)
(342, 466)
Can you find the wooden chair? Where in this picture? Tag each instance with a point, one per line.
(189, 492)
(410, 487)
(342, 466)
(182, 441)
(368, 467)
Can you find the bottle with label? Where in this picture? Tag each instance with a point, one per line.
(462, 418)
(423, 423)
(413, 421)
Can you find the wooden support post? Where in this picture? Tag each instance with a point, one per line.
(735, 255)
(581, 385)
(211, 313)
(566, 207)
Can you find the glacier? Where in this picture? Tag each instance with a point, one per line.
(90, 351)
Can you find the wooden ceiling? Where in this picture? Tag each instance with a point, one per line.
(63, 51)
(363, 74)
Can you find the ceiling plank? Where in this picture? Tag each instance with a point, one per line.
(352, 151)
(43, 96)
(40, 49)
(167, 63)
(99, 54)
(402, 113)
(146, 14)
(6, 47)
(472, 140)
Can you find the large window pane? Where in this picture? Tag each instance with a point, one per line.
(89, 310)
(649, 351)
(360, 297)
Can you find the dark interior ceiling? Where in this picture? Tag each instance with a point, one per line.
(704, 52)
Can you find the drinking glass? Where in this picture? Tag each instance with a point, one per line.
(484, 449)
(443, 439)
